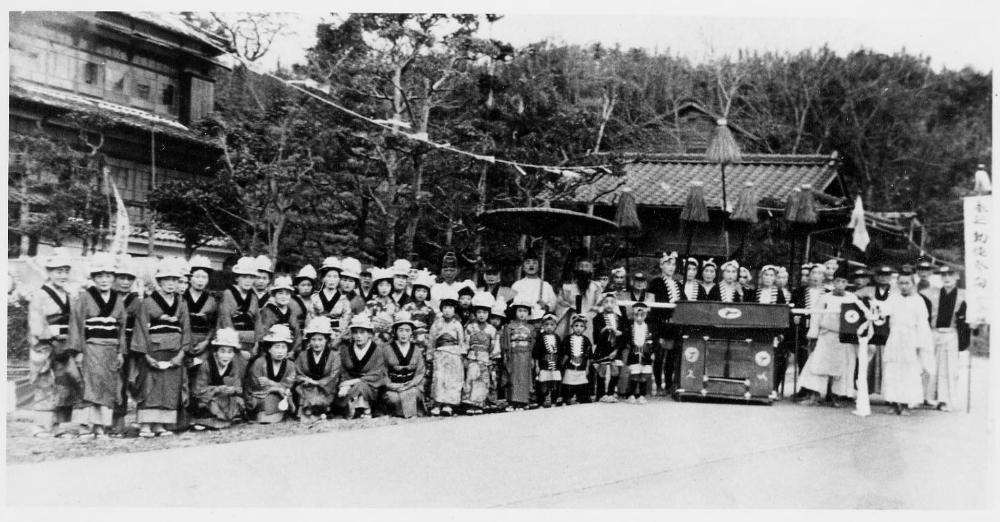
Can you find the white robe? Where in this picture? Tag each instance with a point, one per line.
(528, 288)
(909, 331)
(831, 360)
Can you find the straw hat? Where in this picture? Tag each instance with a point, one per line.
(102, 262)
(402, 318)
(278, 333)
(282, 283)
(401, 267)
(199, 263)
(499, 309)
(245, 266)
(425, 279)
(330, 263)
(226, 337)
(448, 297)
(170, 267)
(306, 272)
(126, 266)
(380, 274)
(483, 300)
(361, 321)
(318, 325)
(522, 302)
(58, 258)
(351, 268)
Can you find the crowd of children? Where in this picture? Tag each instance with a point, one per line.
(396, 341)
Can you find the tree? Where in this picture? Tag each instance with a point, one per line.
(199, 210)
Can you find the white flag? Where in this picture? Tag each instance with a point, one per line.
(119, 244)
(860, 238)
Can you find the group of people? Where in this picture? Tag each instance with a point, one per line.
(355, 342)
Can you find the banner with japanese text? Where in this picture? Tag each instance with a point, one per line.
(977, 258)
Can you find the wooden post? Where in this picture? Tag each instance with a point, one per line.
(150, 225)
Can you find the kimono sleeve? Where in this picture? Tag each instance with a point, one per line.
(264, 320)
(227, 305)
(201, 389)
(291, 372)
(76, 325)
(122, 319)
(296, 331)
(38, 324)
(140, 334)
(184, 321)
(333, 369)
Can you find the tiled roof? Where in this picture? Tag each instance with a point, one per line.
(174, 23)
(121, 114)
(662, 180)
(170, 236)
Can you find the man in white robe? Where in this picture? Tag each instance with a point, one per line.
(531, 286)
(909, 332)
(832, 362)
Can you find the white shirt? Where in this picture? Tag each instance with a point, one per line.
(529, 287)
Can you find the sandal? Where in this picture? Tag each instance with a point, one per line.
(42, 434)
(146, 433)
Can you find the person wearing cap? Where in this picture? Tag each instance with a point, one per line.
(636, 292)
(804, 272)
(607, 326)
(96, 341)
(448, 282)
(709, 288)
(691, 285)
(483, 348)
(575, 353)
(492, 283)
(418, 307)
(238, 307)
(729, 289)
(640, 339)
(448, 342)
(364, 373)
(546, 356)
(947, 320)
(580, 295)
(832, 362)
(404, 365)
(302, 296)
(925, 268)
(909, 333)
(125, 276)
(217, 388)
(262, 283)
(618, 282)
(517, 346)
(278, 310)
(54, 376)
(531, 286)
(162, 338)
(317, 372)
(270, 378)
(400, 294)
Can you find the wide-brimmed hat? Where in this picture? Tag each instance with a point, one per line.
(170, 267)
(305, 273)
(330, 263)
(401, 267)
(361, 321)
(521, 302)
(318, 325)
(126, 267)
(351, 268)
(425, 279)
(483, 300)
(282, 283)
(102, 262)
(58, 258)
(278, 333)
(199, 263)
(226, 337)
(499, 309)
(264, 264)
(245, 266)
(382, 274)
(402, 318)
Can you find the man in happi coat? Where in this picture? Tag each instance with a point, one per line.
(96, 339)
(238, 307)
(831, 362)
(217, 388)
(53, 374)
(363, 369)
(947, 320)
(404, 364)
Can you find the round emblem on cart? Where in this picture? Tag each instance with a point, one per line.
(762, 358)
(691, 354)
(730, 313)
(851, 316)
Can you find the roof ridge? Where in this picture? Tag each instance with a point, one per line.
(759, 158)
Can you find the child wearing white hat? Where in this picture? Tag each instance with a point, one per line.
(217, 389)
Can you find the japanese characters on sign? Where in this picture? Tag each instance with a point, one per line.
(977, 258)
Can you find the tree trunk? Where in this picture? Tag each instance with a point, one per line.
(481, 207)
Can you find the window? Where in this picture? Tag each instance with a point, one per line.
(90, 73)
(142, 90)
(168, 95)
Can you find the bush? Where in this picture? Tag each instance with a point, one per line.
(17, 330)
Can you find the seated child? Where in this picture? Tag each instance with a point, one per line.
(217, 392)
(270, 379)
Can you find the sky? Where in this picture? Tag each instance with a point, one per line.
(953, 34)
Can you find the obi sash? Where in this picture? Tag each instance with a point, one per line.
(404, 372)
(103, 326)
(200, 323)
(242, 320)
(61, 319)
(161, 326)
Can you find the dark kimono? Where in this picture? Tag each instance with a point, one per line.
(53, 374)
(270, 315)
(133, 362)
(162, 392)
(316, 399)
(97, 330)
(693, 291)
(727, 293)
(239, 311)
(404, 389)
(363, 378)
(262, 399)
(203, 314)
(769, 295)
(517, 342)
(301, 309)
(215, 407)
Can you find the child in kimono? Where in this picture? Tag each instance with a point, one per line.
(448, 341)
(162, 338)
(418, 307)
(465, 311)
(96, 341)
(517, 345)
(217, 392)
(270, 378)
(363, 370)
(575, 353)
(420, 333)
(546, 356)
(317, 372)
(478, 360)
(404, 365)
(238, 306)
(498, 318)
(607, 361)
(380, 306)
(53, 375)
(639, 340)
(278, 310)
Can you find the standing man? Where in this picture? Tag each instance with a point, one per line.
(449, 283)
(947, 317)
(666, 289)
(531, 287)
(493, 285)
(581, 295)
(924, 271)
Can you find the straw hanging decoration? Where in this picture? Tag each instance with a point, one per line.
(745, 211)
(695, 211)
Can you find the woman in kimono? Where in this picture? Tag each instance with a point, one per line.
(768, 291)
(217, 392)
(270, 378)
(692, 289)
(279, 310)
(162, 337)
(203, 312)
(517, 345)
(909, 331)
(380, 306)
(709, 270)
(238, 306)
(447, 340)
(125, 276)
(363, 370)
(96, 341)
(350, 289)
(729, 289)
(404, 365)
(317, 372)
(479, 359)
(327, 302)
(53, 375)
(302, 296)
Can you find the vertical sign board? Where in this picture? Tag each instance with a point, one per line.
(977, 258)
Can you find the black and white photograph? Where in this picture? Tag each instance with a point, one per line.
(532, 256)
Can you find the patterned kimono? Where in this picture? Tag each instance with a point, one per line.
(336, 306)
(382, 309)
(517, 344)
(447, 339)
(420, 312)
(479, 363)
(270, 315)
(363, 376)
(239, 311)
(324, 368)
(97, 330)
(214, 406)
(266, 386)
(162, 392)
(404, 391)
(52, 372)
